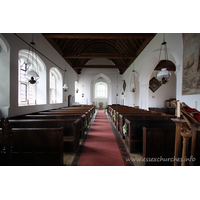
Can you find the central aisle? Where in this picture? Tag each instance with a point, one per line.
(101, 148)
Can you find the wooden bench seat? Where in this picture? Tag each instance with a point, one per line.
(127, 111)
(61, 116)
(138, 116)
(31, 146)
(72, 127)
(88, 117)
(73, 120)
(134, 139)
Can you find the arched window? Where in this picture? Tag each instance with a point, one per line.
(31, 94)
(55, 86)
(100, 90)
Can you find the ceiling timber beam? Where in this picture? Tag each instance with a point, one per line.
(100, 66)
(102, 55)
(99, 35)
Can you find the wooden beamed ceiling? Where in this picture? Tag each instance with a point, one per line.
(78, 48)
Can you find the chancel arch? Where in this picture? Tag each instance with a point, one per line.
(105, 81)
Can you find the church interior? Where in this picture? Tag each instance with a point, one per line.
(99, 99)
(116, 73)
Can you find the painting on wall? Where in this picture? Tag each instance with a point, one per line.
(191, 63)
(154, 84)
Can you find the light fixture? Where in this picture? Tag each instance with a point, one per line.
(133, 88)
(76, 86)
(31, 75)
(164, 74)
(65, 87)
(117, 86)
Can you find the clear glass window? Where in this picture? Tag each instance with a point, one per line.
(101, 90)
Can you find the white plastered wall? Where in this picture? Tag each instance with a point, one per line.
(147, 61)
(86, 85)
(4, 77)
(50, 54)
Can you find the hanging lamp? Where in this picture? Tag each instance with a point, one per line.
(164, 74)
(65, 87)
(117, 87)
(77, 86)
(31, 75)
(133, 88)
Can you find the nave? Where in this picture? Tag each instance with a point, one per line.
(84, 136)
(102, 147)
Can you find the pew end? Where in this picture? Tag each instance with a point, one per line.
(158, 146)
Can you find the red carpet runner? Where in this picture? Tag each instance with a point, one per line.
(101, 148)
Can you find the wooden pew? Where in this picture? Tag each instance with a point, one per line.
(71, 134)
(144, 116)
(83, 126)
(88, 118)
(31, 146)
(158, 146)
(67, 113)
(89, 109)
(116, 111)
(134, 139)
(112, 111)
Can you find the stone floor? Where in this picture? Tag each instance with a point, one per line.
(68, 158)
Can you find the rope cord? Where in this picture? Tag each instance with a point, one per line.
(37, 51)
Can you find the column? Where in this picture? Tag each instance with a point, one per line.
(144, 97)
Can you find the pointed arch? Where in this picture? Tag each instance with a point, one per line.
(4, 44)
(4, 77)
(146, 72)
(108, 80)
(109, 88)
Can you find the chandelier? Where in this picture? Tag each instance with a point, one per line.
(133, 88)
(164, 74)
(31, 74)
(65, 87)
